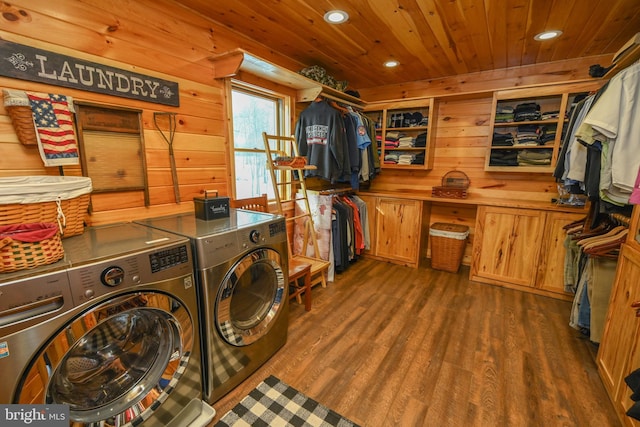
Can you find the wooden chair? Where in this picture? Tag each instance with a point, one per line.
(297, 269)
(300, 270)
(259, 203)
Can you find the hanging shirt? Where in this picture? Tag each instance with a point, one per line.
(616, 115)
(321, 137)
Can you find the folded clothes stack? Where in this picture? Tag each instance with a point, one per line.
(527, 111)
(418, 159)
(406, 141)
(546, 134)
(502, 139)
(534, 157)
(527, 135)
(503, 158)
(548, 115)
(504, 114)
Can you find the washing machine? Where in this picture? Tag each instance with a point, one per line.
(241, 264)
(112, 331)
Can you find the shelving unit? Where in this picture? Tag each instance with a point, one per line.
(528, 154)
(405, 120)
(290, 188)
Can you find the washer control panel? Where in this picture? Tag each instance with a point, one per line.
(94, 280)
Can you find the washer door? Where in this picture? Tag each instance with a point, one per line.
(115, 363)
(250, 296)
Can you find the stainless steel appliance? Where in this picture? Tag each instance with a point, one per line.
(241, 266)
(112, 330)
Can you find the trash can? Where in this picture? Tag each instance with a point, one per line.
(447, 245)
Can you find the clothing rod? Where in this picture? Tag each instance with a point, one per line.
(341, 101)
(333, 191)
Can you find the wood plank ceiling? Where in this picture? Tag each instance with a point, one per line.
(430, 38)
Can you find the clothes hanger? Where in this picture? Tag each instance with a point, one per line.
(602, 236)
(579, 222)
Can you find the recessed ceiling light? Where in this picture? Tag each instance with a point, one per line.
(391, 64)
(547, 35)
(336, 16)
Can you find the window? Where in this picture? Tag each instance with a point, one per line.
(254, 111)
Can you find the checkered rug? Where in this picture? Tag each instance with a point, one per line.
(274, 403)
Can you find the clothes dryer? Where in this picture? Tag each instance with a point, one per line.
(114, 335)
(241, 265)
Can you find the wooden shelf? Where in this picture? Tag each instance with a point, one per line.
(530, 122)
(628, 57)
(550, 98)
(291, 168)
(231, 63)
(383, 113)
(522, 147)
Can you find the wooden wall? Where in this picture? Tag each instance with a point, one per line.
(148, 37)
(161, 39)
(462, 136)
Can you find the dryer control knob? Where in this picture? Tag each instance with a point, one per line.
(254, 236)
(112, 276)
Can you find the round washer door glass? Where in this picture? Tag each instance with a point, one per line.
(250, 297)
(116, 362)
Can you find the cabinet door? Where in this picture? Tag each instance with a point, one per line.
(397, 232)
(552, 254)
(619, 351)
(507, 245)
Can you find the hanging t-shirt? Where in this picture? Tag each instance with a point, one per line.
(321, 137)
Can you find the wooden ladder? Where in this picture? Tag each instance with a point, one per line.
(290, 188)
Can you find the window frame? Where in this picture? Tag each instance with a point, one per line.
(284, 120)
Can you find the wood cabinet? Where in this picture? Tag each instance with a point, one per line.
(396, 229)
(527, 126)
(403, 133)
(619, 351)
(507, 245)
(521, 248)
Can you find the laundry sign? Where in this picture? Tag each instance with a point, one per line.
(37, 65)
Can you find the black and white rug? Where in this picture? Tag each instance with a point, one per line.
(273, 403)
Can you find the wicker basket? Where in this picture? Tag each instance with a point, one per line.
(49, 199)
(29, 245)
(448, 242)
(454, 186)
(19, 109)
(22, 120)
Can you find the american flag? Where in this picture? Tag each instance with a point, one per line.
(52, 116)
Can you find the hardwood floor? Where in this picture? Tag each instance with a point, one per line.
(386, 345)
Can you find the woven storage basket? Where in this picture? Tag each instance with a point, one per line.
(63, 200)
(448, 242)
(454, 186)
(22, 121)
(25, 246)
(19, 109)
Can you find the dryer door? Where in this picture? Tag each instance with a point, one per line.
(250, 297)
(116, 362)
